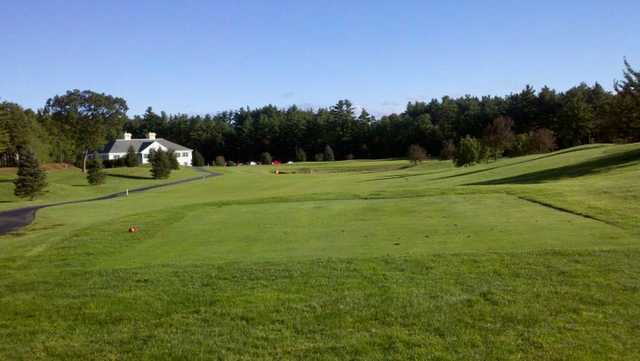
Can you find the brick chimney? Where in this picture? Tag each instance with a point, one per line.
(127, 136)
(151, 136)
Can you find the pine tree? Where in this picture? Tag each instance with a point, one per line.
(95, 171)
(132, 158)
(160, 164)
(328, 154)
(31, 179)
(173, 160)
(198, 159)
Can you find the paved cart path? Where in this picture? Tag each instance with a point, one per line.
(15, 219)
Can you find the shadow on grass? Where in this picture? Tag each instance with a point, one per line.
(599, 165)
(127, 176)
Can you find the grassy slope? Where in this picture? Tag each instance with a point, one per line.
(71, 184)
(527, 258)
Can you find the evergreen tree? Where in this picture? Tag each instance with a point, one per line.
(132, 158)
(160, 164)
(197, 160)
(328, 154)
(173, 160)
(95, 171)
(31, 179)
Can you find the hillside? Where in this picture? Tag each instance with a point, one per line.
(533, 257)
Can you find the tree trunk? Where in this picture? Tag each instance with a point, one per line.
(84, 161)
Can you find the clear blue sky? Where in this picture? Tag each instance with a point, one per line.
(208, 56)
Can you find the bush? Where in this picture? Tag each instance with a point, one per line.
(131, 160)
(220, 162)
(319, 157)
(265, 158)
(197, 160)
(160, 164)
(301, 156)
(448, 150)
(468, 151)
(349, 156)
(231, 163)
(416, 154)
(95, 171)
(328, 154)
(31, 180)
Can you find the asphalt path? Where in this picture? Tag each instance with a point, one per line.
(15, 219)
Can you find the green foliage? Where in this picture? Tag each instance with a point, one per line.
(220, 161)
(131, 159)
(318, 157)
(265, 158)
(197, 159)
(87, 119)
(301, 155)
(95, 170)
(469, 152)
(31, 180)
(328, 156)
(173, 160)
(160, 164)
(416, 154)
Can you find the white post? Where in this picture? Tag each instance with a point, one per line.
(127, 192)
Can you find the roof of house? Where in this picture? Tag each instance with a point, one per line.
(122, 146)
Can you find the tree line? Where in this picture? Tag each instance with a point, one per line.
(72, 125)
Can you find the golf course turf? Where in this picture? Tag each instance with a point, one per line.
(528, 258)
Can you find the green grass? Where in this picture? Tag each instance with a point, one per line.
(531, 258)
(71, 184)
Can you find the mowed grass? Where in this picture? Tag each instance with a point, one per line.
(531, 258)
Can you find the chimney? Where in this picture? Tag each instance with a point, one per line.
(127, 136)
(151, 136)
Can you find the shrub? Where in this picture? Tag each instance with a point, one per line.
(542, 140)
(448, 150)
(131, 160)
(468, 151)
(197, 160)
(160, 164)
(219, 161)
(328, 154)
(231, 163)
(301, 156)
(31, 180)
(319, 157)
(95, 171)
(349, 156)
(416, 154)
(121, 162)
(265, 158)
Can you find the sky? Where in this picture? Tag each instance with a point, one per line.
(201, 57)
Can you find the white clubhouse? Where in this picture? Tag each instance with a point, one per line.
(118, 148)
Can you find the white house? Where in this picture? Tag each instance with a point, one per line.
(118, 148)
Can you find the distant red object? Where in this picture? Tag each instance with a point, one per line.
(276, 162)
